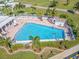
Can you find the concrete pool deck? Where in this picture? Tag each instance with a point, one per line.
(12, 31)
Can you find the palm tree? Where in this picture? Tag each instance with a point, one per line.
(33, 10)
(53, 3)
(19, 8)
(9, 44)
(53, 12)
(7, 10)
(48, 12)
(20, 5)
(36, 42)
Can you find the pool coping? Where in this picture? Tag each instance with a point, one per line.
(28, 41)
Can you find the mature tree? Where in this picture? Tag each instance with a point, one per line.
(33, 10)
(6, 10)
(53, 12)
(77, 6)
(66, 2)
(50, 12)
(19, 6)
(9, 44)
(75, 28)
(53, 3)
(70, 22)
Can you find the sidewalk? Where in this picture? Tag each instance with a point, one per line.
(20, 50)
(66, 53)
(42, 7)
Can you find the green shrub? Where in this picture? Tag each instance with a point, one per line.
(63, 16)
(17, 46)
(4, 42)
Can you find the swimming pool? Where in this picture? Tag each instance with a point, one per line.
(44, 32)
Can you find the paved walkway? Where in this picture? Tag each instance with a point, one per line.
(58, 9)
(20, 50)
(59, 56)
(66, 53)
(42, 7)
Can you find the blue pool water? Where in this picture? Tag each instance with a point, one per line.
(44, 32)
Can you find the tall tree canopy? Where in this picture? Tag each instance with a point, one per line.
(77, 6)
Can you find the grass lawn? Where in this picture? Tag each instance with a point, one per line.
(19, 55)
(35, 2)
(47, 2)
(56, 44)
(70, 6)
(74, 17)
(41, 12)
(30, 55)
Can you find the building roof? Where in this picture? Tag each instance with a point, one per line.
(4, 20)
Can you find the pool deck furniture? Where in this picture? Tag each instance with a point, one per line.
(66, 53)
